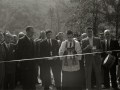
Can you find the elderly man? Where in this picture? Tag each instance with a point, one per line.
(61, 37)
(109, 45)
(41, 38)
(20, 35)
(92, 44)
(40, 62)
(2, 58)
(10, 67)
(18, 79)
(26, 50)
(82, 64)
(84, 35)
(14, 39)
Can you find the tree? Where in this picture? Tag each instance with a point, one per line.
(16, 15)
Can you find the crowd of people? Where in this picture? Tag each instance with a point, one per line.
(87, 63)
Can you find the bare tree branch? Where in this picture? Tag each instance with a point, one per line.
(63, 3)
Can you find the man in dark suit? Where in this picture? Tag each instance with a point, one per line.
(10, 67)
(82, 64)
(109, 45)
(18, 69)
(92, 44)
(48, 48)
(40, 61)
(26, 50)
(2, 58)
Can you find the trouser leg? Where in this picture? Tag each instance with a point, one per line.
(97, 70)
(113, 76)
(88, 71)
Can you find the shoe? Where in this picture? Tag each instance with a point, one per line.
(105, 87)
(46, 88)
(116, 88)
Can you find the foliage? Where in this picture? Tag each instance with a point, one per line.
(17, 15)
(60, 15)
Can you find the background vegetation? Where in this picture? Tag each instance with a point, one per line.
(60, 15)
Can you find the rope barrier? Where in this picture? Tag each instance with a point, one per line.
(55, 56)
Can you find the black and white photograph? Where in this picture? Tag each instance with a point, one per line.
(59, 44)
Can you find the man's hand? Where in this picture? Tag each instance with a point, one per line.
(96, 50)
(109, 52)
(89, 47)
(55, 58)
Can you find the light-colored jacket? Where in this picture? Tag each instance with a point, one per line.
(90, 57)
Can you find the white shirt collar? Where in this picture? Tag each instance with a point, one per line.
(108, 39)
(49, 39)
(69, 41)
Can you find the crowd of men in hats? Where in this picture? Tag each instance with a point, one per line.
(81, 62)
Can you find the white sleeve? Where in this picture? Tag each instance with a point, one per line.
(62, 49)
(78, 49)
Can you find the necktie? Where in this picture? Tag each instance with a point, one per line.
(8, 46)
(70, 44)
(31, 41)
(107, 45)
(49, 42)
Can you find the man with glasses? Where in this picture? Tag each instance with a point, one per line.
(10, 67)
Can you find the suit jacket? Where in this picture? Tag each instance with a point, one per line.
(113, 46)
(10, 67)
(2, 58)
(37, 47)
(26, 50)
(90, 57)
(45, 48)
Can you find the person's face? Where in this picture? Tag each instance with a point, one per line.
(30, 33)
(7, 38)
(61, 37)
(49, 35)
(43, 35)
(84, 36)
(101, 36)
(107, 35)
(1, 37)
(70, 37)
(15, 39)
(89, 32)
